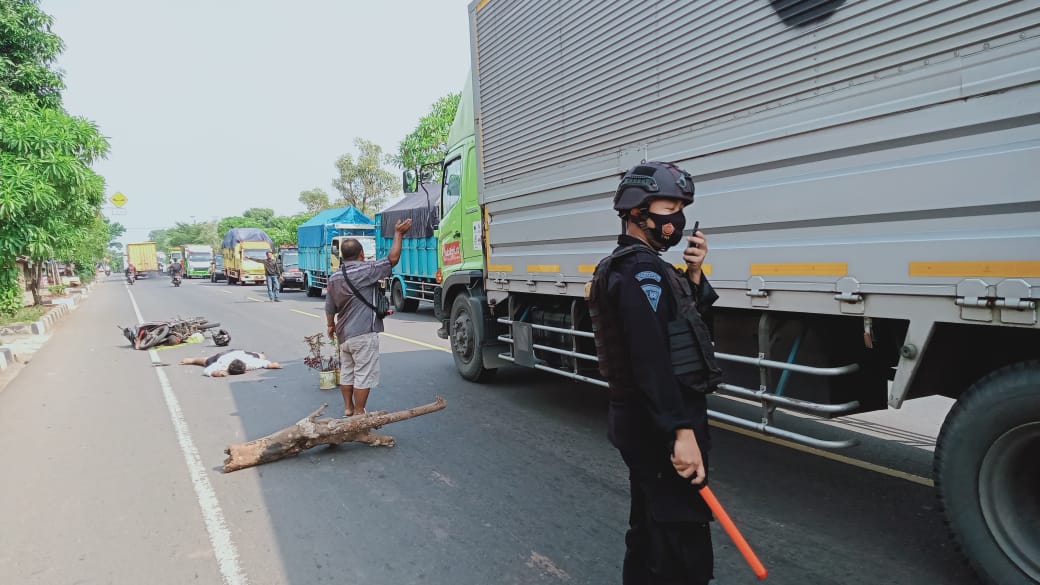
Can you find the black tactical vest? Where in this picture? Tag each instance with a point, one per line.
(692, 352)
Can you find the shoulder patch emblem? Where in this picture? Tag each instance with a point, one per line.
(648, 275)
(653, 294)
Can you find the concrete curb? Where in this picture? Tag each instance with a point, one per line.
(61, 308)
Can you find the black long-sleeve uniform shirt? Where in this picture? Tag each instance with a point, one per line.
(643, 301)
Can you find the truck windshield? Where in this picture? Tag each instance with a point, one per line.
(199, 257)
(256, 254)
(290, 259)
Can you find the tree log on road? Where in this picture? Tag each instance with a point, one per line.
(311, 432)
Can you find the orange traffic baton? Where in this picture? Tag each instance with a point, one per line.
(734, 534)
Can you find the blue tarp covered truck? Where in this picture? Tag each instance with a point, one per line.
(318, 239)
(415, 277)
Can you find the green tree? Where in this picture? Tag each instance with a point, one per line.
(315, 200)
(261, 214)
(428, 142)
(115, 229)
(49, 196)
(237, 221)
(364, 183)
(192, 233)
(28, 50)
(161, 239)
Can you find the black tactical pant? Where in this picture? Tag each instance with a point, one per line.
(665, 553)
(668, 541)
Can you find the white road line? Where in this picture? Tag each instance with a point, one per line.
(219, 536)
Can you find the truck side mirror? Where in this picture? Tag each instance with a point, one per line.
(409, 184)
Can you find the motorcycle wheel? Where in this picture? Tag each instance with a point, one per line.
(154, 337)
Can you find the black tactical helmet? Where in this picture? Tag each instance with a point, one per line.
(652, 179)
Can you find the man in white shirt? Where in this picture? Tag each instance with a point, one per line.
(231, 363)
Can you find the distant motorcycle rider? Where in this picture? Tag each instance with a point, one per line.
(656, 354)
(176, 268)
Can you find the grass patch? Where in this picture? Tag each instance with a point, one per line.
(23, 315)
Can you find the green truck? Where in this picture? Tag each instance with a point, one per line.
(197, 260)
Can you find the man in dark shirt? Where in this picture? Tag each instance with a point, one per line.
(272, 271)
(353, 322)
(658, 414)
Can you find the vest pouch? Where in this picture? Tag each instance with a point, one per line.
(712, 374)
(687, 358)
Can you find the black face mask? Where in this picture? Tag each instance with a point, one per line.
(672, 224)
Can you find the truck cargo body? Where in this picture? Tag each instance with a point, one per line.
(865, 173)
(142, 256)
(244, 250)
(176, 255)
(318, 240)
(415, 277)
(197, 260)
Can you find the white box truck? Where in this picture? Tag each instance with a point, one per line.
(866, 173)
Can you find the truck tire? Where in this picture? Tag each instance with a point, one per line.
(401, 304)
(987, 474)
(311, 291)
(467, 341)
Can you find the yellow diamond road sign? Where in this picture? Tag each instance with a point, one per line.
(118, 199)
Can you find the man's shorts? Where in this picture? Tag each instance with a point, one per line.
(359, 361)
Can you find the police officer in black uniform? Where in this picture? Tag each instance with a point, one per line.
(655, 352)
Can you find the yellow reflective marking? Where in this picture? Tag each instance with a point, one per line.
(500, 267)
(827, 455)
(801, 269)
(543, 267)
(417, 342)
(482, 4)
(586, 268)
(998, 268)
(705, 268)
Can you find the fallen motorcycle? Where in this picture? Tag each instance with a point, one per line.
(171, 332)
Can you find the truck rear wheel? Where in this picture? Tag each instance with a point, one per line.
(311, 291)
(988, 475)
(402, 304)
(467, 341)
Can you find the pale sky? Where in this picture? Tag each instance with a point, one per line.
(212, 107)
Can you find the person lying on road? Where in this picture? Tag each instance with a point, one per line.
(231, 362)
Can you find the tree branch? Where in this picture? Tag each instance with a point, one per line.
(312, 431)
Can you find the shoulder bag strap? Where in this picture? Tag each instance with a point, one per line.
(357, 293)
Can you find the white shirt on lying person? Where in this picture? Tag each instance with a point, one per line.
(251, 360)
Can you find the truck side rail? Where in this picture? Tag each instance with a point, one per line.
(767, 401)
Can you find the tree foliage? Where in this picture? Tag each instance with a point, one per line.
(50, 199)
(28, 50)
(315, 200)
(428, 143)
(363, 182)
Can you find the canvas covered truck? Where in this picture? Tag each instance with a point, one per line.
(866, 174)
(244, 250)
(197, 260)
(318, 240)
(142, 256)
(415, 277)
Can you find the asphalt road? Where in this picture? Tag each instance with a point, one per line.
(112, 471)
